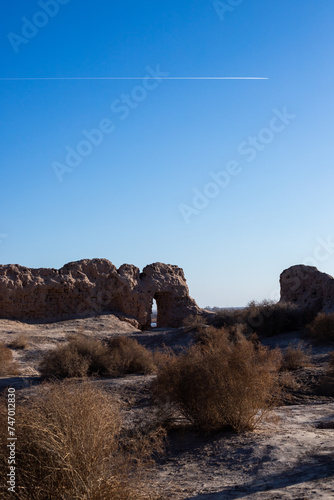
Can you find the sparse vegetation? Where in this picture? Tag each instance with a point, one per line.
(64, 361)
(330, 366)
(228, 317)
(82, 357)
(296, 355)
(214, 337)
(219, 383)
(288, 382)
(322, 328)
(194, 321)
(268, 318)
(20, 342)
(126, 355)
(265, 318)
(71, 445)
(327, 380)
(7, 365)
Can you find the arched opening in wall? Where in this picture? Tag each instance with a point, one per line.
(154, 314)
(164, 304)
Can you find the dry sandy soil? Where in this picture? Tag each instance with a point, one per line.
(290, 456)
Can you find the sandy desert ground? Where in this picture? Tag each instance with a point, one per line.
(290, 456)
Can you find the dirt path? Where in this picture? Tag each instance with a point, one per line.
(290, 458)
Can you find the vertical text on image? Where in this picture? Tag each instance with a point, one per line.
(11, 440)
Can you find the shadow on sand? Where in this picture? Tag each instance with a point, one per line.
(18, 382)
(315, 468)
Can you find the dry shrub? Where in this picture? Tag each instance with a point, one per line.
(161, 356)
(7, 365)
(194, 321)
(215, 337)
(327, 380)
(326, 386)
(126, 355)
(64, 362)
(227, 317)
(93, 351)
(20, 342)
(219, 384)
(266, 318)
(288, 382)
(83, 356)
(322, 327)
(330, 366)
(70, 445)
(296, 355)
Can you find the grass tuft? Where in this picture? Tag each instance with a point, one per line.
(71, 445)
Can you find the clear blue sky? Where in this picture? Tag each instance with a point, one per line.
(130, 199)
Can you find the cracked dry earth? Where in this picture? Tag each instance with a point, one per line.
(290, 456)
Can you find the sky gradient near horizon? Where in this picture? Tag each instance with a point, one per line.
(232, 180)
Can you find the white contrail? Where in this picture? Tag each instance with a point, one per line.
(141, 78)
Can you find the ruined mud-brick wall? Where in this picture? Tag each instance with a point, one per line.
(95, 286)
(307, 287)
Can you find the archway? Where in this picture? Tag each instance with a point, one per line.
(154, 314)
(164, 302)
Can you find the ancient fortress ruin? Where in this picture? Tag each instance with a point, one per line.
(90, 287)
(307, 287)
(96, 286)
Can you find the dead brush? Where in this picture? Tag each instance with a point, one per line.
(194, 322)
(219, 384)
(7, 365)
(71, 445)
(288, 382)
(326, 382)
(214, 337)
(296, 356)
(83, 356)
(330, 365)
(64, 361)
(126, 356)
(20, 342)
(161, 356)
(266, 318)
(322, 328)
